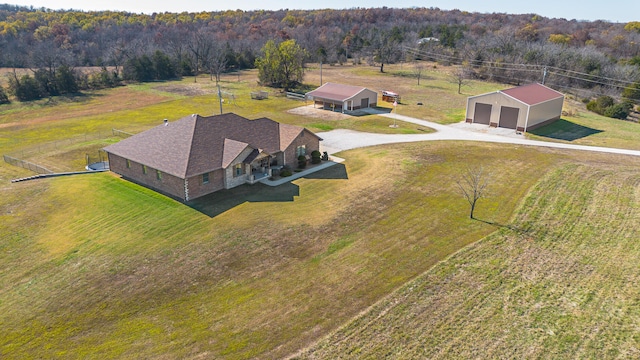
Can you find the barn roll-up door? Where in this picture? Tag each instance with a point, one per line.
(482, 114)
(508, 117)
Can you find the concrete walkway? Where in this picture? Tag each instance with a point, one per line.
(342, 139)
(296, 175)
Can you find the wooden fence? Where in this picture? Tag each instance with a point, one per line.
(16, 157)
(296, 96)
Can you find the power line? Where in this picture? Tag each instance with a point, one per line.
(576, 75)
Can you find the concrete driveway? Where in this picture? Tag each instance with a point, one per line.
(342, 139)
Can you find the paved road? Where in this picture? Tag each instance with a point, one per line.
(342, 139)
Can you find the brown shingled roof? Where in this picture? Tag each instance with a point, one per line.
(532, 94)
(194, 144)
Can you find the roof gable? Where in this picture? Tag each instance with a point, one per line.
(532, 94)
(231, 150)
(164, 147)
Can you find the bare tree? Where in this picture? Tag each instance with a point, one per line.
(115, 55)
(418, 69)
(217, 63)
(460, 76)
(200, 44)
(473, 184)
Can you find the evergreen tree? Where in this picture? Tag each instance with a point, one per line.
(25, 88)
(4, 99)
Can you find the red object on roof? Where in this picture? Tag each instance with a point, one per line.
(532, 94)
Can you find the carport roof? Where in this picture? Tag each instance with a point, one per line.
(532, 94)
(337, 92)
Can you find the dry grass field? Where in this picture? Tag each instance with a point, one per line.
(559, 280)
(96, 266)
(379, 250)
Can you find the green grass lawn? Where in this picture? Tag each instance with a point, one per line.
(587, 128)
(559, 280)
(96, 266)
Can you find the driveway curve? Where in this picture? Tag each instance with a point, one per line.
(342, 139)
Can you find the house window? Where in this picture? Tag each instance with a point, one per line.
(144, 169)
(301, 150)
(158, 175)
(238, 170)
(128, 164)
(205, 178)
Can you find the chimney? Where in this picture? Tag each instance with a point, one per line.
(166, 122)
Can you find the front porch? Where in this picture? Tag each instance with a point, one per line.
(258, 175)
(260, 167)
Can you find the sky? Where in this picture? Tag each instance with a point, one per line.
(610, 10)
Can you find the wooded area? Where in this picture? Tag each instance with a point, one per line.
(585, 58)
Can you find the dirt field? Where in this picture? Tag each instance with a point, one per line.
(310, 111)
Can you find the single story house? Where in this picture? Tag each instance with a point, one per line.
(197, 155)
(339, 97)
(521, 108)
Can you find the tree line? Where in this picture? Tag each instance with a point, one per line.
(598, 56)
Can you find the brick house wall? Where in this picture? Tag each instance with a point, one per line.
(306, 138)
(231, 179)
(197, 188)
(163, 183)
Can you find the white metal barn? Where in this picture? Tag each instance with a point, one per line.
(522, 108)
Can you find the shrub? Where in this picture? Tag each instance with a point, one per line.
(4, 99)
(316, 157)
(604, 102)
(605, 105)
(25, 89)
(286, 171)
(632, 92)
(593, 106)
(302, 162)
(618, 111)
(600, 105)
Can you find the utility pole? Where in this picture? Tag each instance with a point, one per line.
(220, 98)
(544, 74)
(320, 72)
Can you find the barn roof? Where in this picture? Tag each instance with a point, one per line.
(195, 144)
(532, 94)
(337, 92)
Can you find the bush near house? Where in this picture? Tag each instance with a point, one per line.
(316, 157)
(285, 172)
(302, 162)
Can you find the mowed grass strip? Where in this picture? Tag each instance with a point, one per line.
(103, 267)
(560, 280)
(583, 127)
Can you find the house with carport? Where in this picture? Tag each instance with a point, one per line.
(197, 155)
(521, 108)
(340, 97)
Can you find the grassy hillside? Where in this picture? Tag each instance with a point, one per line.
(559, 280)
(96, 266)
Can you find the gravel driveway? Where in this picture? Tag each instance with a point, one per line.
(342, 139)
